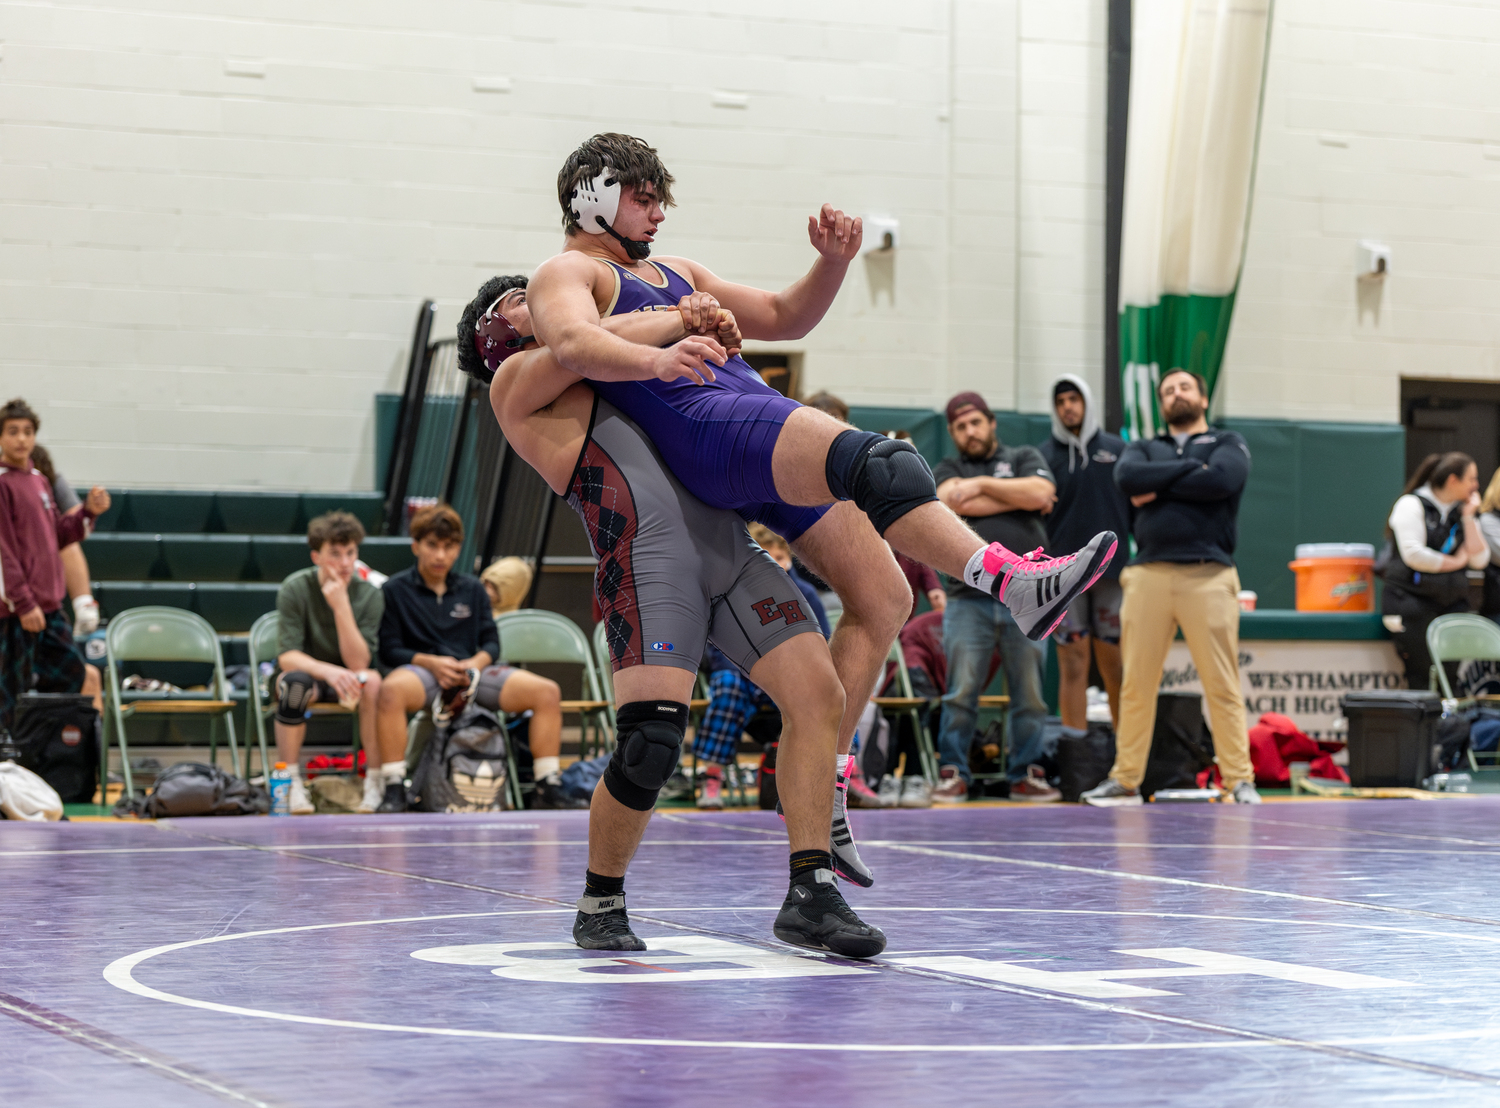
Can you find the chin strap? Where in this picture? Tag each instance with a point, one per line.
(637, 250)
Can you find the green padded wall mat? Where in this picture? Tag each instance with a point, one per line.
(277, 556)
(170, 510)
(127, 556)
(206, 557)
(259, 513)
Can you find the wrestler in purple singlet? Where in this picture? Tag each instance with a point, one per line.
(717, 438)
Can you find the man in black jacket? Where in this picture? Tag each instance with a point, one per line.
(1186, 487)
(1082, 456)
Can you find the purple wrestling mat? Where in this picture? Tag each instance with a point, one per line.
(1322, 953)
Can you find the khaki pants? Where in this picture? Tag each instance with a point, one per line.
(1203, 600)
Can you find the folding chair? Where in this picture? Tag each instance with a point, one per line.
(1461, 637)
(907, 704)
(531, 635)
(264, 647)
(166, 635)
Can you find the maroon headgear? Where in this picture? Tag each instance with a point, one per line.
(494, 338)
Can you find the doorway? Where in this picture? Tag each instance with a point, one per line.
(1440, 416)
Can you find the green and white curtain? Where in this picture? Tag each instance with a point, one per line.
(1196, 72)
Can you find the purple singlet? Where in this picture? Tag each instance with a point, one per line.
(716, 438)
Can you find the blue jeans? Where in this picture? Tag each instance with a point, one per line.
(972, 627)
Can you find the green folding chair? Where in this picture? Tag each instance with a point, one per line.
(166, 635)
(264, 646)
(907, 703)
(531, 635)
(1461, 637)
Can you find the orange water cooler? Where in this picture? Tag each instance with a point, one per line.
(1335, 577)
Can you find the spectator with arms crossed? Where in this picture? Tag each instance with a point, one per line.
(1000, 491)
(327, 620)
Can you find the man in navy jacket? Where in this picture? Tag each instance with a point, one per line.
(1185, 486)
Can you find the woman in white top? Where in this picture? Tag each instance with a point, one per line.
(1489, 526)
(1435, 540)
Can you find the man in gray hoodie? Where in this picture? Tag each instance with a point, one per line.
(1082, 457)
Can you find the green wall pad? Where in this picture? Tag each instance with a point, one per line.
(277, 556)
(124, 556)
(259, 513)
(206, 557)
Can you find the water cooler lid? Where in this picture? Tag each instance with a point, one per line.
(1334, 550)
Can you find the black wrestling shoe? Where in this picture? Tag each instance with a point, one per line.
(394, 800)
(814, 915)
(603, 925)
(550, 794)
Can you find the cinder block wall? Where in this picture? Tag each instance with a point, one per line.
(217, 219)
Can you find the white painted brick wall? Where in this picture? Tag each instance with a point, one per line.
(205, 277)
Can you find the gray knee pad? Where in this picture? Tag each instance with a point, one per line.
(886, 478)
(296, 700)
(648, 740)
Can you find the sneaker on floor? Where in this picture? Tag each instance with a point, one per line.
(1038, 589)
(550, 794)
(394, 799)
(951, 787)
(1112, 794)
(374, 792)
(1244, 793)
(602, 924)
(916, 792)
(846, 860)
(814, 915)
(889, 795)
(860, 794)
(1033, 788)
(711, 793)
(301, 804)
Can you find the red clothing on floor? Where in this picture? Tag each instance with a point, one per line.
(32, 531)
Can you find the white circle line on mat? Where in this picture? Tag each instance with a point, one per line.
(121, 974)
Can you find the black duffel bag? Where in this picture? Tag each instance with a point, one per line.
(195, 789)
(58, 738)
(1084, 759)
(1181, 745)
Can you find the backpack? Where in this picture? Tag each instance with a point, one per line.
(463, 768)
(1084, 759)
(58, 738)
(1181, 745)
(195, 789)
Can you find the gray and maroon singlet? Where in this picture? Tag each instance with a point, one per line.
(673, 572)
(717, 438)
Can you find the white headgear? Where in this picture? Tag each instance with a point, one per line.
(596, 202)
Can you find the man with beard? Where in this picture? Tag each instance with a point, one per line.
(1001, 492)
(1185, 486)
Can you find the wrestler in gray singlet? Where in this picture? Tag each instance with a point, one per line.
(673, 571)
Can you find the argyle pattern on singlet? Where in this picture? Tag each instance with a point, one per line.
(601, 495)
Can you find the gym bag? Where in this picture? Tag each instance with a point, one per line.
(58, 738)
(1084, 759)
(1181, 745)
(195, 789)
(463, 768)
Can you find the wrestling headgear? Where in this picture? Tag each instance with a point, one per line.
(494, 338)
(596, 203)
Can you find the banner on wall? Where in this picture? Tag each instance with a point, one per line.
(1197, 68)
(1295, 678)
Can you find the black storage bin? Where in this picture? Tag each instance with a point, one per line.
(1391, 736)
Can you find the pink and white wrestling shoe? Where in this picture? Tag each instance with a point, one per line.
(1038, 589)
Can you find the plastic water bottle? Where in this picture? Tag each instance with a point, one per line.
(281, 790)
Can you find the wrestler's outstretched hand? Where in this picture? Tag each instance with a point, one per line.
(835, 235)
(694, 358)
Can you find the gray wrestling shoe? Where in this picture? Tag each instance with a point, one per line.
(603, 925)
(814, 915)
(1112, 794)
(1244, 793)
(1038, 589)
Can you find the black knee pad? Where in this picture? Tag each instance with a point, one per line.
(886, 478)
(295, 703)
(648, 739)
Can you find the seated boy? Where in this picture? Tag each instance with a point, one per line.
(437, 627)
(329, 617)
(36, 639)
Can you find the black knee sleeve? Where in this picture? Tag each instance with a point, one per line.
(295, 703)
(886, 478)
(648, 739)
